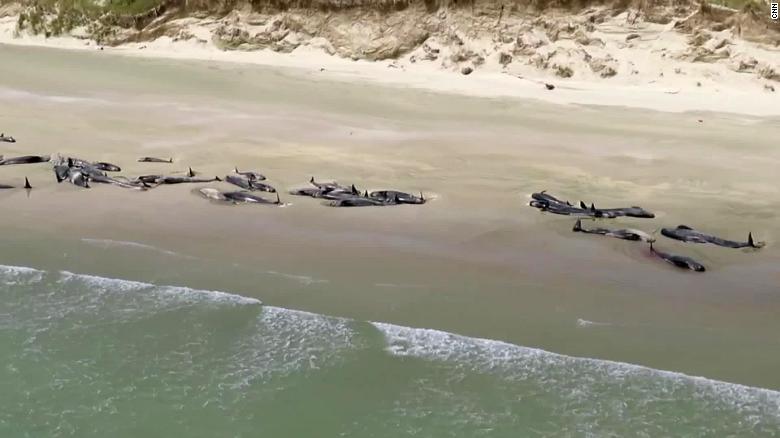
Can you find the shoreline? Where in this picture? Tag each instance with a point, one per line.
(679, 96)
(478, 250)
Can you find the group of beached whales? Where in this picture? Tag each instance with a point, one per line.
(549, 203)
(82, 173)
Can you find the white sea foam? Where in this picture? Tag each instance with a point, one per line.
(13, 94)
(287, 341)
(14, 275)
(180, 292)
(303, 279)
(581, 375)
(108, 243)
(585, 323)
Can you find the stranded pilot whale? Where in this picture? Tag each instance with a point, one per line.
(154, 160)
(184, 179)
(397, 197)
(250, 175)
(681, 262)
(107, 167)
(27, 159)
(249, 184)
(26, 185)
(249, 198)
(625, 234)
(7, 139)
(546, 202)
(688, 234)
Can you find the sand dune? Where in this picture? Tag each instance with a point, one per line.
(682, 57)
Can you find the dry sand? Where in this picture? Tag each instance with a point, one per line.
(620, 60)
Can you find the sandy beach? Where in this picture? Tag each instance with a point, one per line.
(589, 335)
(653, 66)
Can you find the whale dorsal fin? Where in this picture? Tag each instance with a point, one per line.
(592, 207)
(190, 173)
(577, 225)
(27, 183)
(750, 240)
(422, 198)
(684, 227)
(278, 201)
(583, 206)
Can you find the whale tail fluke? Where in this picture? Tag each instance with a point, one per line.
(577, 226)
(752, 243)
(27, 183)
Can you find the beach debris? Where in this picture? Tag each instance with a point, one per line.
(466, 71)
(549, 86)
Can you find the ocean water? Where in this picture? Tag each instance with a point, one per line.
(89, 356)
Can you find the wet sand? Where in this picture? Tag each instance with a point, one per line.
(476, 260)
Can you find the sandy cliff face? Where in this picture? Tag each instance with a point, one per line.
(565, 39)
